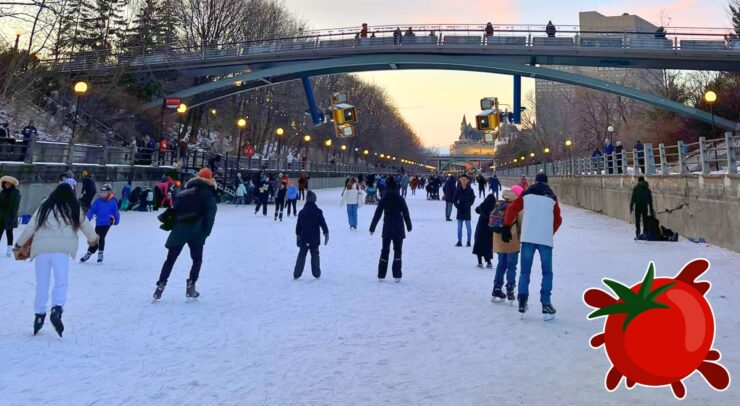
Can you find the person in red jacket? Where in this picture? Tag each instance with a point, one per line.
(541, 221)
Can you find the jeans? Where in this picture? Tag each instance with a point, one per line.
(459, 229)
(404, 191)
(385, 253)
(101, 231)
(448, 210)
(352, 215)
(481, 191)
(506, 264)
(279, 207)
(239, 200)
(196, 254)
(46, 263)
(527, 253)
(300, 263)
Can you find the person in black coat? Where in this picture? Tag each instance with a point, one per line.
(10, 200)
(395, 215)
(280, 201)
(641, 205)
(449, 196)
(195, 214)
(263, 195)
(464, 199)
(481, 185)
(310, 224)
(483, 246)
(89, 190)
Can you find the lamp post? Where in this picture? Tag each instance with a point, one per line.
(241, 124)
(279, 132)
(18, 33)
(568, 144)
(609, 158)
(711, 97)
(181, 110)
(307, 140)
(80, 89)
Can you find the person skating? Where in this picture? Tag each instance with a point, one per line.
(353, 197)
(125, 195)
(308, 229)
(105, 211)
(541, 221)
(195, 214)
(483, 247)
(405, 180)
(263, 195)
(464, 199)
(89, 190)
(481, 185)
(292, 195)
(280, 202)
(241, 192)
(507, 252)
(641, 205)
(392, 207)
(54, 229)
(495, 185)
(449, 196)
(302, 186)
(10, 201)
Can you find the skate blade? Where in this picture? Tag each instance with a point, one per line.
(548, 317)
(191, 299)
(511, 302)
(496, 300)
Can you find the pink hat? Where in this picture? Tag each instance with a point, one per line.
(517, 190)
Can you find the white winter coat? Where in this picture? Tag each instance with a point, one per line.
(353, 196)
(56, 237)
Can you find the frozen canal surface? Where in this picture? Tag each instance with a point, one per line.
(256, 337)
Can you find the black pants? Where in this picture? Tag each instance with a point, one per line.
(640, 213)
(9, 235)
(101, 231)
(384, 254)
(292, 203)
(481, 191)
(300, 263)
(610, 164)
(279, 206)
(263, 204)
(302, 194)
(196, 254)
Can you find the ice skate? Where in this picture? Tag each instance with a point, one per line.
(523, 305)
(480, 266)
(190, 291)
(158, 291)
(9, 252)
(498, 295)
(548, 312)
(510, 294)
(86, 257)
(100, 257)
(56, 319)
(38, 322)
(398, 280)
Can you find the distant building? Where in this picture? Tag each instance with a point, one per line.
(471, 142)
(553, 98)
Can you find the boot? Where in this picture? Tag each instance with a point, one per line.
(56, 319)
(38, 322)
(523, 303)
(159, 290)
(85, 258)
(100, 257)
(190, 292)
(498, 295)
(548, 311)
(459, 244)
(510, 292)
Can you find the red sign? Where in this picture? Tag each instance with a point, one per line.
(248, 151)
(172, 102)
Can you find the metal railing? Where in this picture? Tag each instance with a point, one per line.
(717, 156)
(438, 35)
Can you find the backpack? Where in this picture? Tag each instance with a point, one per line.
(190, 206)
(496, 218)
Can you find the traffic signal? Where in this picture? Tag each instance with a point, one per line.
(487, 121)
(345, 114)
(345, 131)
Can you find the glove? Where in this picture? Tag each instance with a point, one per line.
(326, 239)
(506, 234)
(298, 241)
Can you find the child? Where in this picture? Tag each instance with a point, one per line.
(241, 191)
(310, 223)
(508, 252)
(292, 195)
(149, 199)
(263, 194)
(395, 213)
(105, 209)
(280, 202)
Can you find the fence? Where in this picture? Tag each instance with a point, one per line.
(705, 157)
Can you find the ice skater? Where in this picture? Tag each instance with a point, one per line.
(353, 197)
(483, 247)
(10, 201)
(392, 207)
(54, 229)
(507, 252)
(310, 224)
(464, 199)
(105, 211)
(292, 195)
(280, 201)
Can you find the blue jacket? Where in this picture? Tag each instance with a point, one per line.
(292, 193)
(609, 149)
(310, 224)
(103, 209)
(126, 192)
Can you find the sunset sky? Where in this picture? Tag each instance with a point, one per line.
(434, 102)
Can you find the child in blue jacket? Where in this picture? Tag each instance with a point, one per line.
(105, 211)
(292, 196)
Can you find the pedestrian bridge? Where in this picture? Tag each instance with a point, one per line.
(677, 48)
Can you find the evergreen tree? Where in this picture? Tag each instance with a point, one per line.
(66, 38)
(167, 20)
(735, 14)
(103, 24)
(145, 30)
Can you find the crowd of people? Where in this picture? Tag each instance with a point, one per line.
(509, 230)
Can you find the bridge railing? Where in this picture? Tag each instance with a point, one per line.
(438, 35)
(717, 156)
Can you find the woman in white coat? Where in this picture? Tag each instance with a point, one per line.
(353, 197)
(54, 229)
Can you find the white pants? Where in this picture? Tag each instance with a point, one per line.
(45, 263)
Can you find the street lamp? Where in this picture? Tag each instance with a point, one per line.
(213, 112)
(547, 150)
(80, 89)
(279, 132)
(18, 33)
(181, 110)
(711, 97)
(242, 124)
(568, 144)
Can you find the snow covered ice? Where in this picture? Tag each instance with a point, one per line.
(257, 337)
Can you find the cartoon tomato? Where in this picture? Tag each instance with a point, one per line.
(659, 331)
